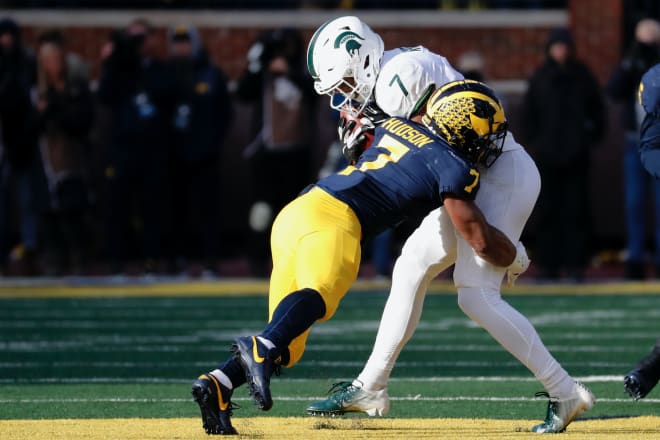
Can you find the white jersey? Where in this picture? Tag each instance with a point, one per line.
(405, 76)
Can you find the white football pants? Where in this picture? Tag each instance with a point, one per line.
(507, 195)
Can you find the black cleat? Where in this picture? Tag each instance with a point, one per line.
(637, 385)
(259, 364)
(640, 381)
(214, 402)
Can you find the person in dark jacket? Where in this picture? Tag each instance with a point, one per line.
(563, 118)
(21, 173)
(202, 116)
(277, 83)
(137, 88)
(622, 87)
(66, 115)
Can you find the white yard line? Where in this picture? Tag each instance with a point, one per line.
(115, 380)
(306, 399)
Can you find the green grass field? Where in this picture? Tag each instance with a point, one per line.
(128, 355)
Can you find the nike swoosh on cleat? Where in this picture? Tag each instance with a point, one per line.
(221, 403)
(255, 352)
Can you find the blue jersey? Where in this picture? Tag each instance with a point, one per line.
(649, 98)
(405, 174)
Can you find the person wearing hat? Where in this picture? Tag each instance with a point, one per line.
(202, 116)
(563, 118)
(136, 89)
(21, 172)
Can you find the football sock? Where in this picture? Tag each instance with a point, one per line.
(222, 378)
(515, 333)
(233, 370)
(292, 316)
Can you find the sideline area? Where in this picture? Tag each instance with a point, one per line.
(321, 428)
(124, 286)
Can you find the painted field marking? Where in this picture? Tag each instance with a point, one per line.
(305, 399)
(166, 380)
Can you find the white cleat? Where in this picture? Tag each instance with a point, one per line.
(347, 397)
(561, 412)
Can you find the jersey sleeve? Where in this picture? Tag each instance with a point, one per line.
(454, 175)
(406, 76)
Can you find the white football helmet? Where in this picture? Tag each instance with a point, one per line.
(341, 48)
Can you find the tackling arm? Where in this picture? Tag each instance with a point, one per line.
(487, 241)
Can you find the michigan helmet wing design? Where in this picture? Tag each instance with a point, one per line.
(468, 116)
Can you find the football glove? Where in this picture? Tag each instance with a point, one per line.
(357, 132)
(519, 265)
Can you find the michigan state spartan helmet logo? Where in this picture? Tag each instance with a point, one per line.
(350, 39)
(343, 58)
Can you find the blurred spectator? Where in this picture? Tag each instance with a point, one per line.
(277, 82)
(563, 117)
(622, 87)
(202, 115)
(65, 118)
(21, 174)
(76, 67)
(471, 64)
(138, 90)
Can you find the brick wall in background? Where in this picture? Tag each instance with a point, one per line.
(597, 27)
(511, 51)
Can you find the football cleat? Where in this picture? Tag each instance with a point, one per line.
(640, 381)
(561, 412)
(214, 402)
(347, 397)
(637, 384)
(259, 364)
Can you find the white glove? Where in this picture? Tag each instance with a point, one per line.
(519, 265)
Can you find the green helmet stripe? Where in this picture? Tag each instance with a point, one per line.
(310, 50)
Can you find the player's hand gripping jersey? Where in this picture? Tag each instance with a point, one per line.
(404, 174)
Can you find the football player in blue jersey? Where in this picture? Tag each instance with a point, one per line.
(641, 380)
(315, 240)
(649, 98)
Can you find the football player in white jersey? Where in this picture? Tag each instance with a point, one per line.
(348, 62)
